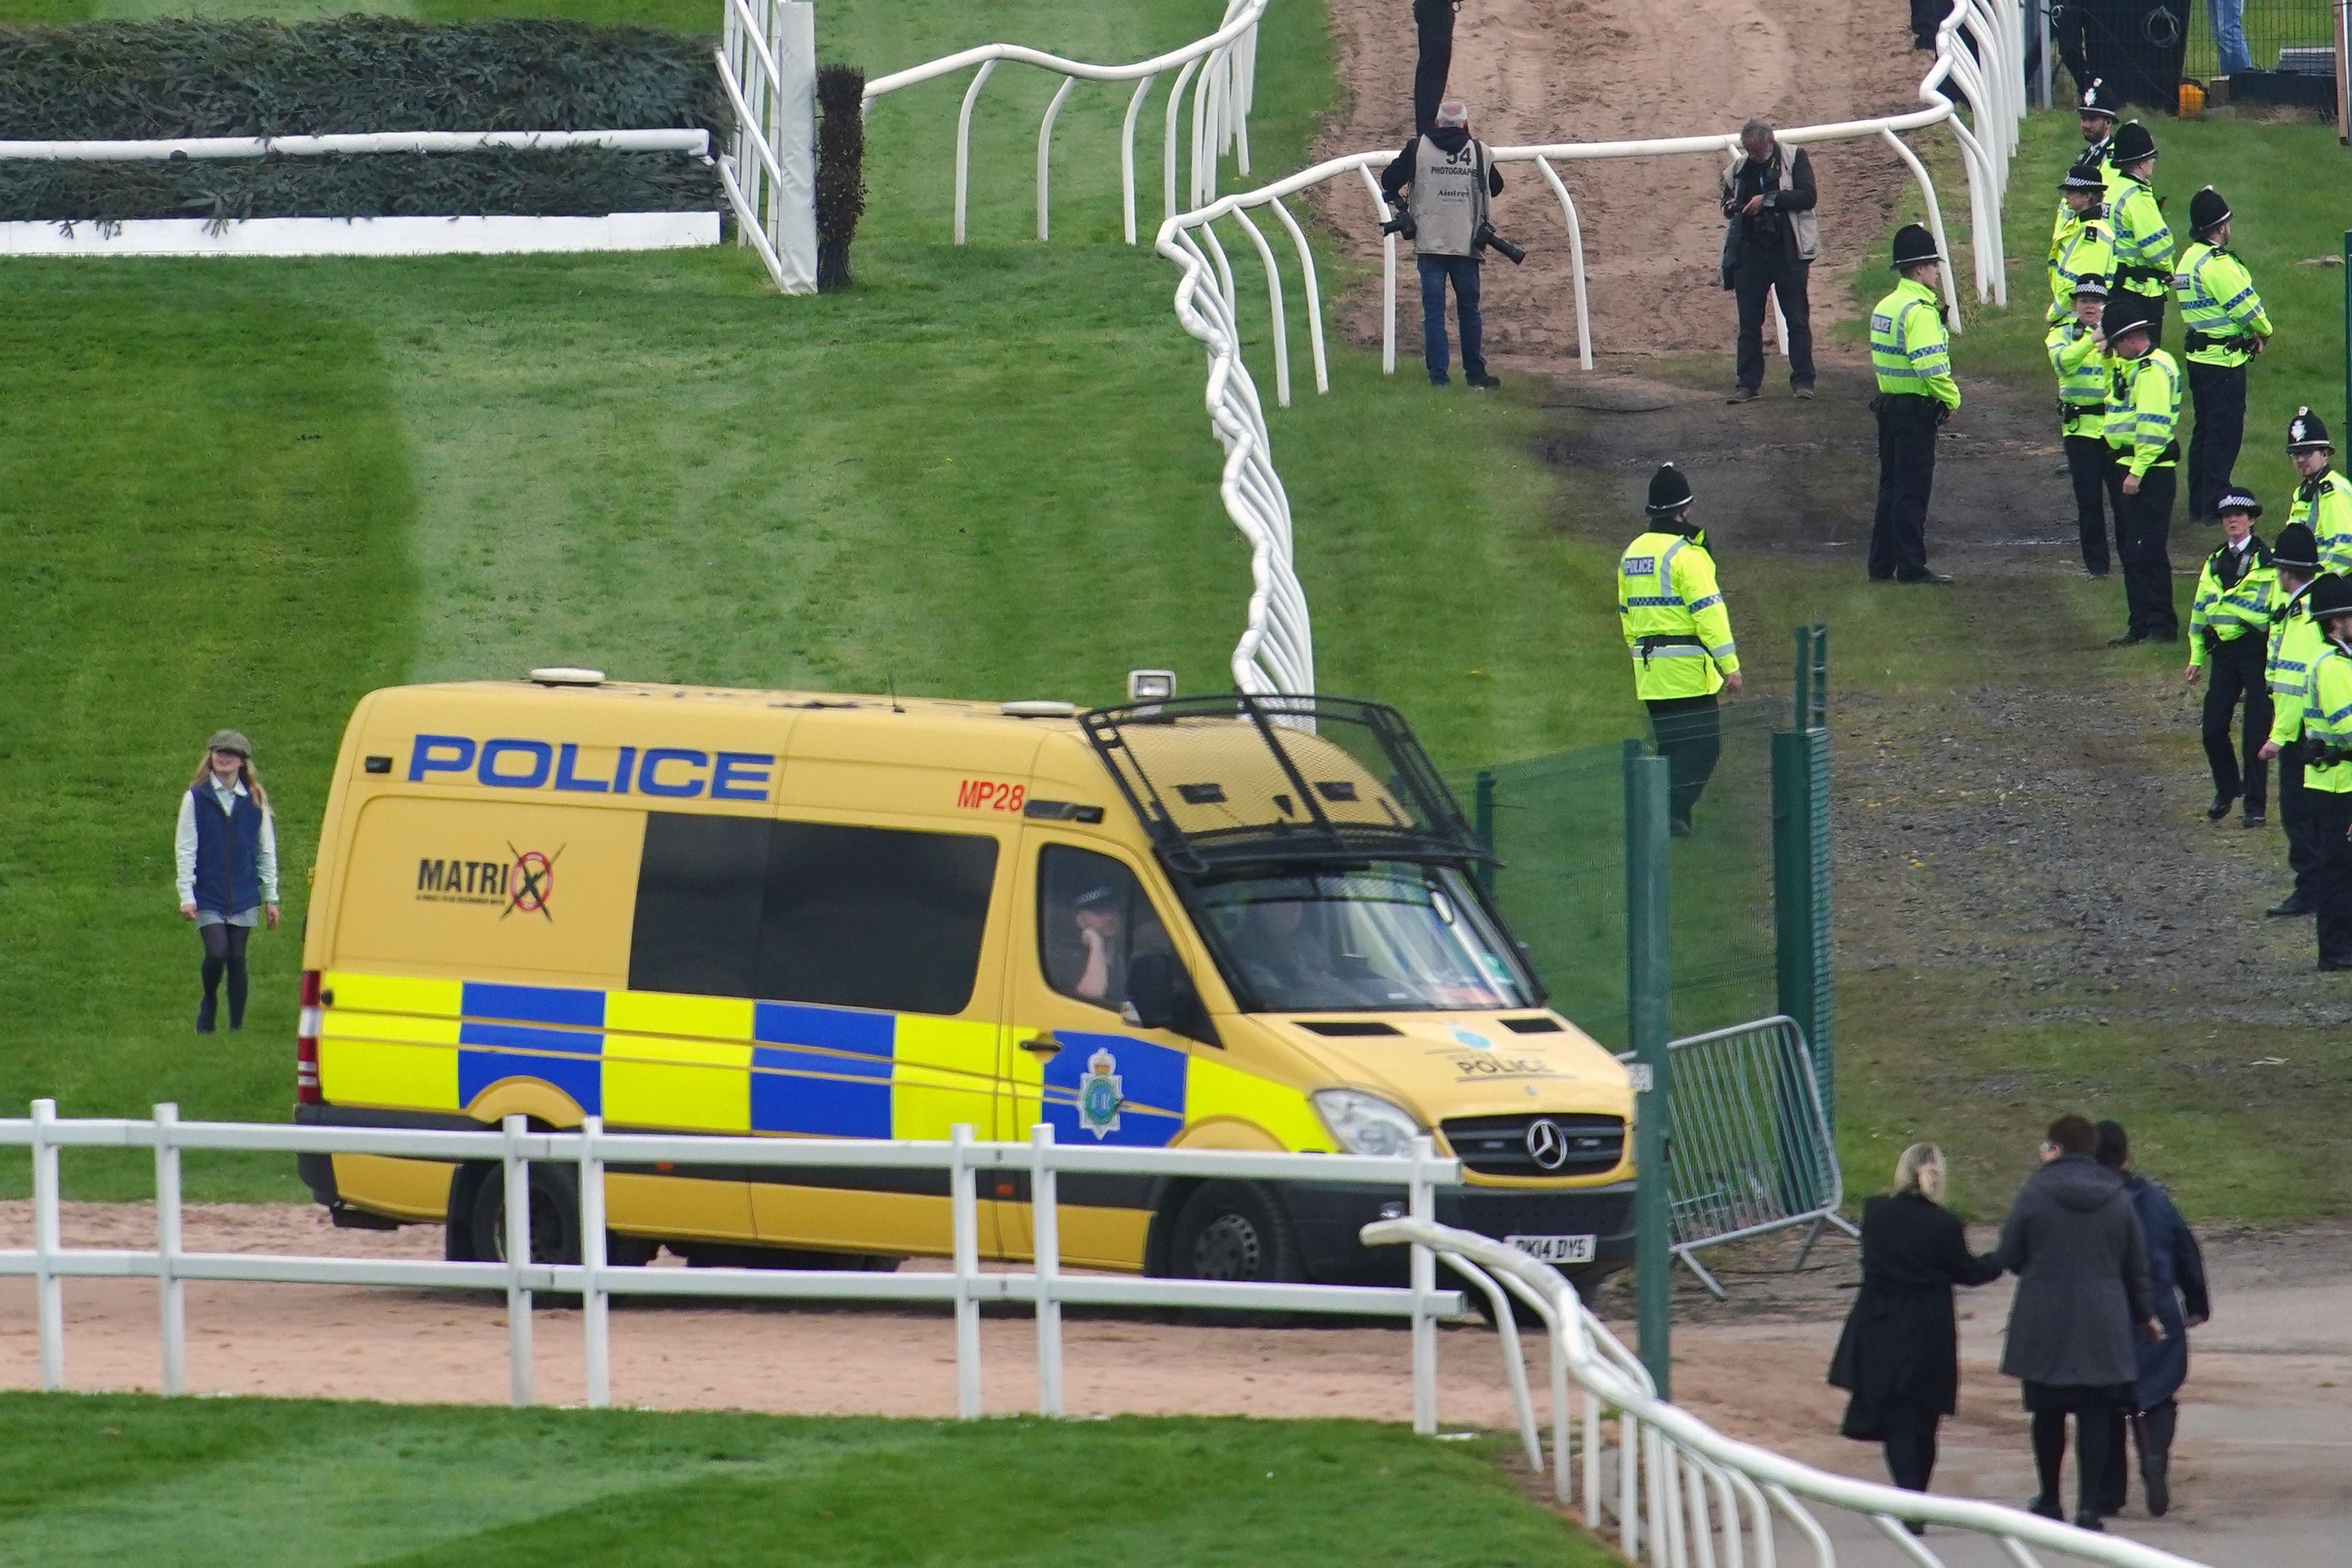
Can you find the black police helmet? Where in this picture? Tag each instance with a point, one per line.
(2296, 547)
(2207, 212)
(2306, 432)
(2096, 101)
(1914, 245)
(2127, 312)
(1669, 491)
(2331, 596)
(2236, 499)
(2132, 142)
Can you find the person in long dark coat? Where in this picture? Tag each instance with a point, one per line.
(2176, 1274)
(1899, 1356)
(2075, 1243)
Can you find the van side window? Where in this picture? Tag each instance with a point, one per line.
(1092, 918)
(875, 916)
(699, 895)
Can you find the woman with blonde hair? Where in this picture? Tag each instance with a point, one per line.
(1899, 1356)
(225, 852)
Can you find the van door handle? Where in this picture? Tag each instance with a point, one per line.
(1042, 1046)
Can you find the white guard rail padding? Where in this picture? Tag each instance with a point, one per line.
(514, 1148)
(767, 67)
(1684, 1492)
(1980, 47)
(1221, 69)
(696, 142)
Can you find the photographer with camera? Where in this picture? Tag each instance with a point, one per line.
(1771, 237)
(1451, 179)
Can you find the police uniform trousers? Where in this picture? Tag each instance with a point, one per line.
(1689, 731)
(1906, 473)
(2143, 529)
(2235, 674)
(2294, 816)
(2098, 488)
(2218, 392)
(2331, 823)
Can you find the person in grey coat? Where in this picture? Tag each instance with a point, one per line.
(2075, 1243)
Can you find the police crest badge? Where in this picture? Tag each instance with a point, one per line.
(1099, 1096)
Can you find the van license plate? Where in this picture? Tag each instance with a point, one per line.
(1554, 1248)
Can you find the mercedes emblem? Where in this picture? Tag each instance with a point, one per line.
(1546, 1146)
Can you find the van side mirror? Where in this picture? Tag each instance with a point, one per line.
(1158, 992)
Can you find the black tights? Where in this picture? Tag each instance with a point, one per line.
(1910, 1444)
(2093, 1440)
(224, 954)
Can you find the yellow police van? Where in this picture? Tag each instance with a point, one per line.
(1219, 922)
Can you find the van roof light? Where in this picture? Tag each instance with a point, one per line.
(1039, 709)
(567, 674)
(1151, 685)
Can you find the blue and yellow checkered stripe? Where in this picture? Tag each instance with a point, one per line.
(722, 1064)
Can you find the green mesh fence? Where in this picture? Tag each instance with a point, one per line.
(1558, 824)
(2271, 26)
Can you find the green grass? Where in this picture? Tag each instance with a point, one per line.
(184, 1484)
(251, 491)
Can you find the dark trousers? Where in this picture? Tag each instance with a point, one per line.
(2330, 814)
(1435, 271)
(1906, 473)
(1434, 20)
(1926, 15)
(1910, 1444)
(224, 955)
(2091, 464)
(1689, 731)
(2235, 675)
(2294, 816)
(2092, 1445)
(2151, 1430)
(1763, 272)
(2143, 529)
(2218, 393)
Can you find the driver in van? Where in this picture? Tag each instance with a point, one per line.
(1095, 913)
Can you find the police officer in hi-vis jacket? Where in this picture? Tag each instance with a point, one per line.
(2229, 625)
(1671, 613)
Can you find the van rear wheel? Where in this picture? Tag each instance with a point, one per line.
(554, 1215)
(1234, 1230)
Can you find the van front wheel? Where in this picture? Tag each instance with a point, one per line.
(1234, 1230)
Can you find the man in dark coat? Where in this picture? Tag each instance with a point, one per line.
(1899, 1356)
(2075, 1244)
(2176, 1274)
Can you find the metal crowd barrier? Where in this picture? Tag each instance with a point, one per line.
(49, 1262)
(1752, 1147)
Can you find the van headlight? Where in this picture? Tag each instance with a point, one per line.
(1364, 1123)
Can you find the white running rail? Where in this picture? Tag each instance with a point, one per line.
(514, 1149)
(1982, 48)
(1221, 69)
(1683, 1493)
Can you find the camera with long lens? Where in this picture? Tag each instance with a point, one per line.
(1402, 223)
(1489, 240)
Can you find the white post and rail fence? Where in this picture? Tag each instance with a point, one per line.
(1667, 1488)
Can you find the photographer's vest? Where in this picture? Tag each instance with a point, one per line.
(1449, 197)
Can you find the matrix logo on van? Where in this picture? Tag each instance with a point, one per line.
(670, 772)
(523, 882)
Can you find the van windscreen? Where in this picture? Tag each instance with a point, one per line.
(818, 912)
(1387, 936)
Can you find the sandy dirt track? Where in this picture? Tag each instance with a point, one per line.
(2266, 1430)
(1598, 71)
